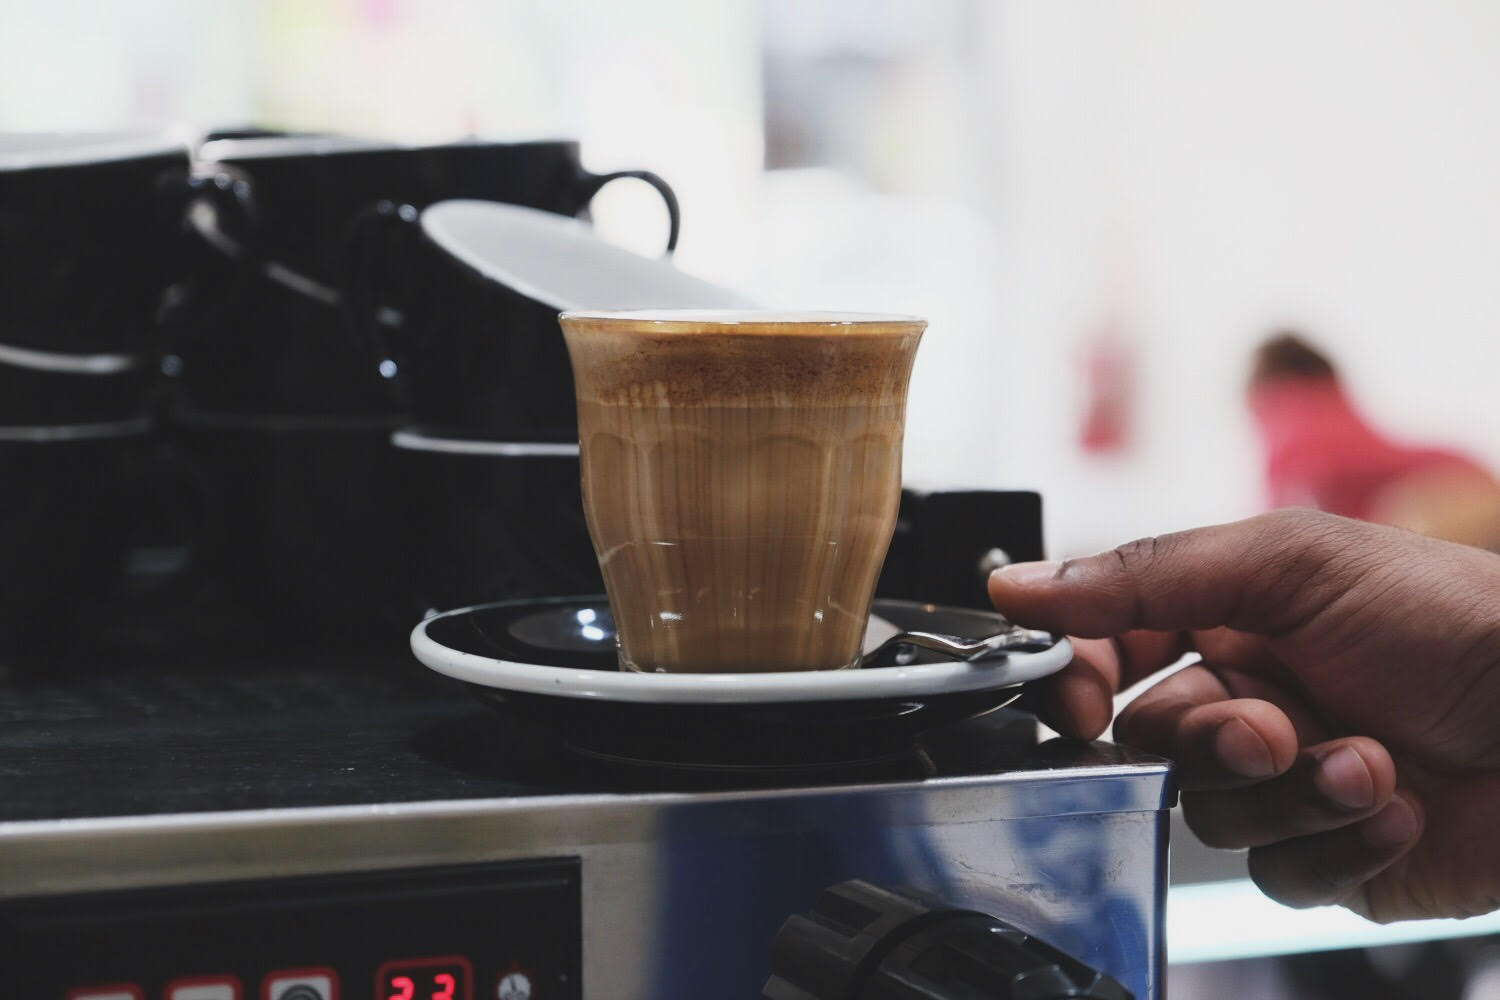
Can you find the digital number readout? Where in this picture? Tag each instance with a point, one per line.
(448, 977)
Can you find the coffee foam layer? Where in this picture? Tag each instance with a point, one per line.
(632, 360)
(765, 321)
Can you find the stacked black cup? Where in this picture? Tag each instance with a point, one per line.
(88, 245)
(196, 390)
(286, 407)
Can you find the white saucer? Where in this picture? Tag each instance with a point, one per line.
(549, 666)
(566, 650)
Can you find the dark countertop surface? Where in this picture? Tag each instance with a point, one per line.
(144, 741)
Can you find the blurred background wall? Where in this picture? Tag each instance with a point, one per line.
(1101, 206)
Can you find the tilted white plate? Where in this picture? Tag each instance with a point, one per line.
(562, 262)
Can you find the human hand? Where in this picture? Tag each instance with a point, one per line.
(1344, 720)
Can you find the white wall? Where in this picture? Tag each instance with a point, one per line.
(1333, 163)
(1194, 173)
(84, 65)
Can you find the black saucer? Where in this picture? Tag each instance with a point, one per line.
(577, 635)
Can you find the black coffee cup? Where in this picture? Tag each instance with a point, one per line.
(459, 302)
(88, 247)
(263, 331)
(283, 415)
(88, 244)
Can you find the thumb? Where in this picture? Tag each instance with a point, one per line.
(1266, 575)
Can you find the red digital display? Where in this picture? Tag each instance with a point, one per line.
(448, 977)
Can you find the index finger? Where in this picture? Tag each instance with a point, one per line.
(1265, 575)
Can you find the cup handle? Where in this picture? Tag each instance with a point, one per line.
(593, 183)
(222, 211)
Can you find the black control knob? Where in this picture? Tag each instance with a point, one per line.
(862, 942)
(300, 992)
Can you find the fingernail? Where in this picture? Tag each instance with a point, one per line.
(1343, 777)
(1394, 826)
(1242, 751)
(1028, 574)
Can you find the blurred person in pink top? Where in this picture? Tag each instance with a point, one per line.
(1320, 452)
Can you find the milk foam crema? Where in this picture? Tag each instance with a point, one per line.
(741, 476)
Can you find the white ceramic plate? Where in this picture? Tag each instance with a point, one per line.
(562, 262)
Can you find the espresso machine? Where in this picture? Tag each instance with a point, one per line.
(253, 804)
(300, 826)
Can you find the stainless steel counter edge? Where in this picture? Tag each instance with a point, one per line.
(48, 857)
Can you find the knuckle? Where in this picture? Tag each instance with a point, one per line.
(1301, 560)
(1323, 536)
(1294, 518)
(1131, 567)
(1137, 556)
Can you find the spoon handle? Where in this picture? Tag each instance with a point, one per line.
(960, 648)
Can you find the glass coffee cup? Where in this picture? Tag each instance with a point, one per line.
(741, 477)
